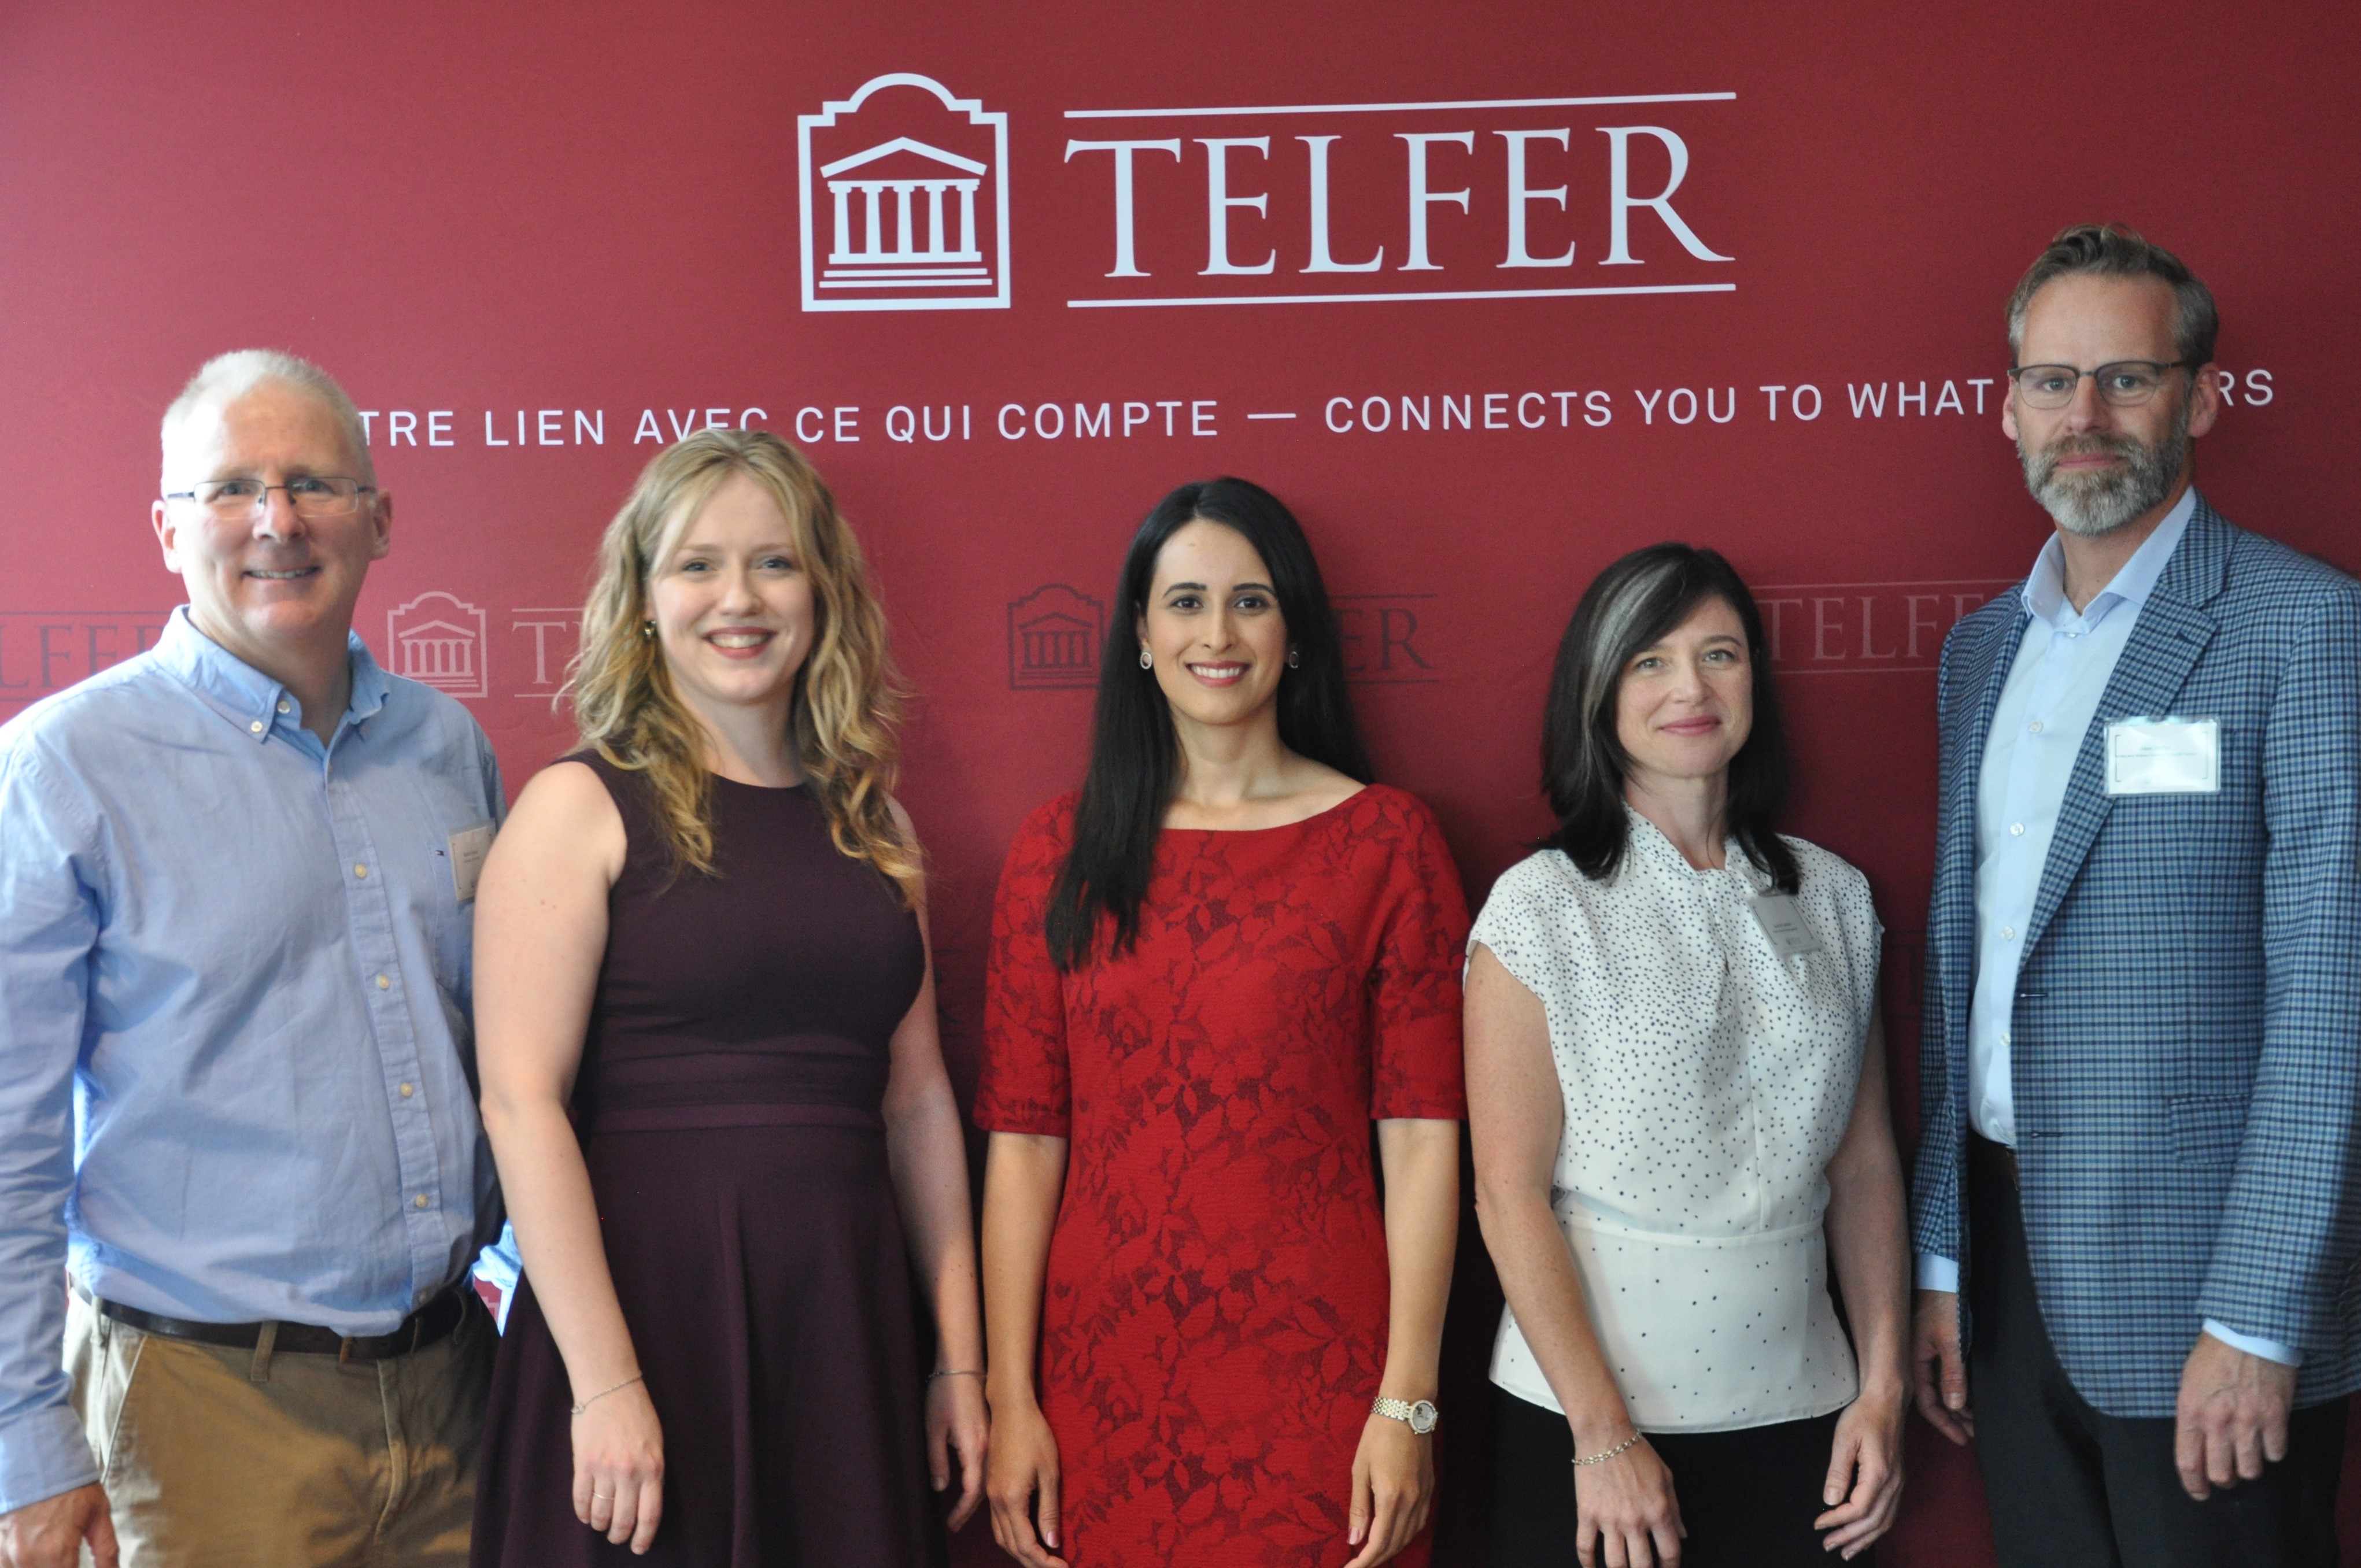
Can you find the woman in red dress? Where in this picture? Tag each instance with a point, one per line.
(1211, 970)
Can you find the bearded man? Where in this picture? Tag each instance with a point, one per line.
(2134, 1209)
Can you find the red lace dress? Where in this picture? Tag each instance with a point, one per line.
(1214, 1325)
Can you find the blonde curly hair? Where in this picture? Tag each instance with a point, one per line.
(847, 696)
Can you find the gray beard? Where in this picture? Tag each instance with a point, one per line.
(2100, 503)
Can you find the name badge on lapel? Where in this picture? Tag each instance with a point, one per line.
(2164, 756)
(1784, 924)
(468, 848)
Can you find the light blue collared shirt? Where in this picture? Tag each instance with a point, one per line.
(2062, 669)
(236, 1063)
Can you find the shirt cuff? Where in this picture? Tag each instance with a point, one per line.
(2268, 1348)
(42, 1453)
(1937, 1272)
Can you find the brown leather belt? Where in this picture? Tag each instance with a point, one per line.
(434, 1322)
(1994, 1156)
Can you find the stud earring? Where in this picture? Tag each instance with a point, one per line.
(647, 632)
(1146, 659)
(1294, 659)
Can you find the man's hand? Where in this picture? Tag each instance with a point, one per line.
(1941, 1373)
(50, 1533)
(2232, 1418)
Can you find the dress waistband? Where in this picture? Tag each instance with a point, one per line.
(842, 1087)
(688, 1118)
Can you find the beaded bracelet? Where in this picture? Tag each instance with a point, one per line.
(1603, 1458)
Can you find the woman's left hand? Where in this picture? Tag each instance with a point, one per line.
(1864, 1484)
(957, 1425)
(1393, 1489)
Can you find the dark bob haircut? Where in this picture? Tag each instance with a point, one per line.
(1629, 608)
(1135, 757)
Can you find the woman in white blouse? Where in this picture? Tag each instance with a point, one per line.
(1677, 1103)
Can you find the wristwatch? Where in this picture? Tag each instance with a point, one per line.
(1420, 1417)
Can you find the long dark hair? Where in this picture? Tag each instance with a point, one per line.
(1134, 756)
(1628, 608)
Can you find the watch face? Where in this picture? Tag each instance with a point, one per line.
(1422, 1417)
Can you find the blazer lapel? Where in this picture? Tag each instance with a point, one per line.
(2165, 645)
(1982, 671)
(1983, 675)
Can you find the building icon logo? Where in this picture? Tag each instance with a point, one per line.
(905, 200)
(1054, 637)
(438, 640)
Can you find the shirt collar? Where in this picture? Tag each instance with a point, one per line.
(1647, 843)
(2045, 591)
(244, 694)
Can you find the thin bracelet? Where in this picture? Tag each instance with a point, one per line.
(953, 1372)
(604, 1392)
(1603, 1458)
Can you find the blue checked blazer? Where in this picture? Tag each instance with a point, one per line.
(2186, 1052)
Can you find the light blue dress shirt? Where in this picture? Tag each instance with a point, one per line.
(235, 1064)
(2062, 669)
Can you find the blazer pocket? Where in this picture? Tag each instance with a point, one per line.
(2206, 1129)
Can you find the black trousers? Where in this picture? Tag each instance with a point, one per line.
(1747, 1498)
(2069, 1483)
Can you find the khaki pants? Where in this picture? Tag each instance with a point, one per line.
(212, 1455)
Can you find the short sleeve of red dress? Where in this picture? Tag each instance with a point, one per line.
(1416, 1067)
(1025, 1085)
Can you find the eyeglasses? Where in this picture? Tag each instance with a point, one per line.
(2125, 384)
(312, 495)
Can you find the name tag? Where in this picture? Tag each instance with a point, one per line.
(2164, 756)
(1784, 924)
(468, 848)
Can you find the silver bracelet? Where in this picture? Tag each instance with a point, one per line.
(1603, 1458)
(604, 1392)
(953, 1372)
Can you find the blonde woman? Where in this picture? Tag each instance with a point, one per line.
(711, 1080)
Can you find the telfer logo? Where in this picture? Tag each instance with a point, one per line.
(917, 197)
(1054, 633)
(1854, 629)
(438, 640)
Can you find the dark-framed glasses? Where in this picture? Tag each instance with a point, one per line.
(2125, 384)
(312, 495)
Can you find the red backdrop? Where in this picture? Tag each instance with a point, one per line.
(538, 241)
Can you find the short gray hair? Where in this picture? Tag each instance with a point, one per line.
(2111, 250)
(227, 376)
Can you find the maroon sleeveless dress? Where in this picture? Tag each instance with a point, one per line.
(729, 1107)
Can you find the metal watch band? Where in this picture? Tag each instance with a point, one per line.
(1420, 1417)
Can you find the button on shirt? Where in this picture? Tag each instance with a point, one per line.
(234, 1054)
(2062, 669)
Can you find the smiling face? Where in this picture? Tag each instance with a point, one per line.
(2095, 466)
(1685, 703)
(1213, 625)
(732, 605)
(275, 590)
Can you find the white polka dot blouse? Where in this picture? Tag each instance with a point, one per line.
(1707, 1081)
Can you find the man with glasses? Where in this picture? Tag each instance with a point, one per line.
(236, 876)
(2135, 1202)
